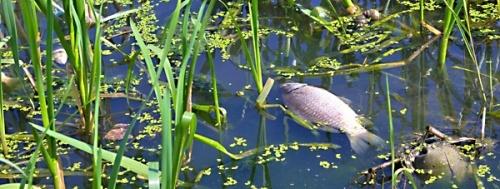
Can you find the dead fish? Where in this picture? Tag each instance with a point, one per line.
(319, 106)
(117, 132)
(442, 159)
(60, 56)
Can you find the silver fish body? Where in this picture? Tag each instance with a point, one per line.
(319, 106)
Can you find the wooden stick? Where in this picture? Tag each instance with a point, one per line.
(437, 133)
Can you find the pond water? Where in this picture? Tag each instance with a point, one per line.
(422, 93)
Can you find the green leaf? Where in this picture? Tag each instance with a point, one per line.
(15, 186)
(154, 175)
(127, 163)
(218, 146)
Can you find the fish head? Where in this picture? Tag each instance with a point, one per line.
(289, 87)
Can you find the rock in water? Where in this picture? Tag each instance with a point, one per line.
(319, 106)
(442, 159)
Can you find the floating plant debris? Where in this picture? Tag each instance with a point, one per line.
(117, 132)
(433, 156)
(190, 78)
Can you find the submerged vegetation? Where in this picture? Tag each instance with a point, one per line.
(159, 94)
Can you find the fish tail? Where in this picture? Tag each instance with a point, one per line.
(361, 141)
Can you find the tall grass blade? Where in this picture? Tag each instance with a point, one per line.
(164, 62)
(10, 22)
(449, 22)
(95, 85)
(216, 145)
(391, 131)
(31, 26)
(422, 11)
(200, 37)
(254, 19)
(163, 98)
(154, 175)
(466, 34)
(48, 72)
(184, 134)
(215, 93)
(261, 99)
(3, 140)
(128, 163)
(13, 165)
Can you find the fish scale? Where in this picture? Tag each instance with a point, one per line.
(319, 106)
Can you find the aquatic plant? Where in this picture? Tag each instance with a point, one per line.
(170, 60)
(391, 131)
(3, 141)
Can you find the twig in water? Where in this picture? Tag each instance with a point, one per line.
(437, 133)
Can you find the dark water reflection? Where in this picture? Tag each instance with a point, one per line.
(422, 94)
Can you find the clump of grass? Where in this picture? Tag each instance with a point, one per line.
(85, 64)
(449, 22)
(174, 148)
(256, 63)
(452, 16)
(46, 103)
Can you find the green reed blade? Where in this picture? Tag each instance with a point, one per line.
(81, 47)
(10, 22)
(31, 26)
(180, 101)
(164, 61)
(334, 10)
(95, 85)
(184, 134)
(13, 165)
(391, 130)
(466, 35)
(3, 140)
(422, 11)
(200, 36)
(154, 175)
(30, 169)
(42, 5)
(409, 176)
(254, 13)
(246, 52)
(250, 61)
(127, 163)
(348, 3)
(48, 72)
(216, 145)
(449, 22)
(261, 99)
(215, 93)
(163, 98)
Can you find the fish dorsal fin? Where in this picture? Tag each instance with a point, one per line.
(364, 121)
(345, 100)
